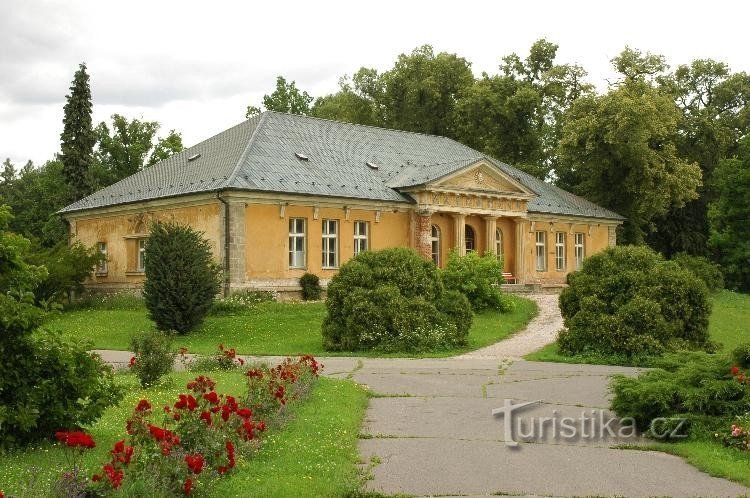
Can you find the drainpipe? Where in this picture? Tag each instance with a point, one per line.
(226, 243)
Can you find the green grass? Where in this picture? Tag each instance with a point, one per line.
(270, 329)
(727, 326)
(316, 451)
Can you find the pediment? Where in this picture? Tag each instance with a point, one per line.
(482, 177)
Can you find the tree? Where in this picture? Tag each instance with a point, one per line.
(620, 150)
(420, 92)
(78, 138)
(355, 102)
(182, 279)
(286, 98)
(516, 115)
(128, 147)
(730, 230)
(715, 116)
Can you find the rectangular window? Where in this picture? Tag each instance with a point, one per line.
(330, 243)
(580, 249)
(141, 255)
(101, 266)
(541, 251)
(361, 236)
(297, 243)
(560, 251)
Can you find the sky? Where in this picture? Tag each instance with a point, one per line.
(195, 66)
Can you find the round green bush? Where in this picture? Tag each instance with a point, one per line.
(702, 268)
(310, 284)
(629, 301)
(393, 300)
(478, 278)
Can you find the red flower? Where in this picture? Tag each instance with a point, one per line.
(132, 361)
(240, 361)
(186, 401)
(734, 370)
(230, 453)
(188, 487)
(255, 372)
(143, 406)
(195, 463)
(261, 426)
(122, 453)
(225, 412)
(245, 413)
(114, 475)
(207, 417)
(75, 439)
(212, 398)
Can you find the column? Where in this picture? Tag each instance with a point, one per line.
(490, 225)
(236, 264)
(611, 236)
(424, 233)
(520, 270)
(459, 234)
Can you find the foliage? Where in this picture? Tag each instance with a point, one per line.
(95, 300)
(46, 383)
(310, 284)
(627, 300)
(182, 279)
(702, 268)
(730, 230)
(77, 139)
(285, 98)
(738, 435)
(224, 358)
(241, 302)
(154, 356)
(620, 150)
(693, 385)
(129, 147)
(478, 278)
(388, 300)
(68, 266)
(271, 389)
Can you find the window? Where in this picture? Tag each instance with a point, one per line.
(297, 242)
(101, 266)
(560, 251)
(330, 243)
(580, 249)
(541, 251)
(141, 255)
(499, 243)
(361, 235)
(435, 244)
(469, 238)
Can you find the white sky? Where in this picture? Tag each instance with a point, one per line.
(195, 66)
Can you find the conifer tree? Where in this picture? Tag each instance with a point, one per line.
(77, 139)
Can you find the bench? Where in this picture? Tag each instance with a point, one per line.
(509, 278)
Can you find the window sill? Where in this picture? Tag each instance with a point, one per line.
(134, 273)
(100, 274)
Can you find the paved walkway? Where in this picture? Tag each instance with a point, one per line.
(430, 429)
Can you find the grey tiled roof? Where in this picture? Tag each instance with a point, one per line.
(259, 155)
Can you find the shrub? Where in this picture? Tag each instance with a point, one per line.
(223, 359)
(391, 300)
(68, 266)
(121, 300)
(310, 284)
(270, 390)
(478, 278)
(702, 268)
(181, 278)
(154, 356)
(628, 301)
(694, 385)
(241, 302)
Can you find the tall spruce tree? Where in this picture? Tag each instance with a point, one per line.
(78, 138)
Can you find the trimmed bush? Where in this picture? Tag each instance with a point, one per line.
(310, 284)
(478, 278)
(182, 279)
(393, 300)
(628, 301)
(702, 268)
(154, 356)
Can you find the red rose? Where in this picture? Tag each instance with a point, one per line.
(132, 361)
(188, 487)
(212, 398)
(143, 406)
(207, 417)
(245, 413)
(195, 463)
(735, 370)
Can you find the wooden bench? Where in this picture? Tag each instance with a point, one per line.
(509, 278)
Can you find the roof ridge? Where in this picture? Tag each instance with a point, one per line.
(246, 151)
(358, 124)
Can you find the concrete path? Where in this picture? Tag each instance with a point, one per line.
(541, 331)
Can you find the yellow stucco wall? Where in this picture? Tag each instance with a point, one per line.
(267, 238)
(121, 231)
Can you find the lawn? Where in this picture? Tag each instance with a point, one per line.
(271, 328)
(316, 451)
(727, 326)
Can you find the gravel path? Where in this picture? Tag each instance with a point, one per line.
(540, 331)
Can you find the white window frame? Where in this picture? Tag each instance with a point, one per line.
(330, 245)
(580, 248)
(498, 243)
(297, 238)
(435, 244)
(141, 257)
(101, 266)
(560, 239)
(361, 236)
(541, 251)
